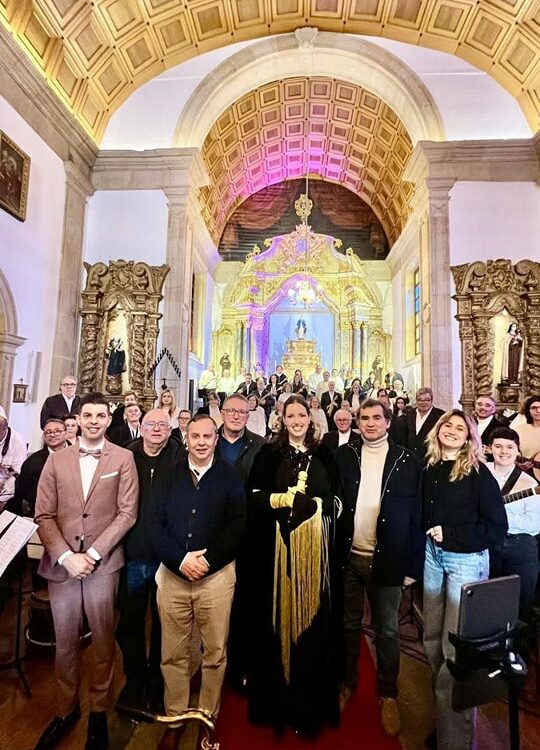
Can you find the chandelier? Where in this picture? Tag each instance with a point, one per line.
(302, 293)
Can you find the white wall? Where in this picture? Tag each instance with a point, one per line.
(30, 259)
(490, 220)
(127, 224)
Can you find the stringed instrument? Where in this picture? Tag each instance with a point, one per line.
(536, 466)
(529, 492)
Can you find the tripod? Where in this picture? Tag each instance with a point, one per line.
(16, 661)
(497, 655)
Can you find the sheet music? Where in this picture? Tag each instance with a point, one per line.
(15, 532)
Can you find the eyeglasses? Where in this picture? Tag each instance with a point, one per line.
(68, 385)
(236, 412)
(49, 433)
(535, 408)
(159, 425)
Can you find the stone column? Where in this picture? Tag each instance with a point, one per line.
(356, 346)
(176, 317)
(78, 190)
(9, 343)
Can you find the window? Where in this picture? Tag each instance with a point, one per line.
(417, 311)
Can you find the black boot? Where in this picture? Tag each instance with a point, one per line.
(57, 729)
(97, 737)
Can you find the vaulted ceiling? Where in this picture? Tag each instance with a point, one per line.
(329, 128)
(95, 53)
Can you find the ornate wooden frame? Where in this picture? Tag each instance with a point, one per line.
(483, 290)
(135, 288)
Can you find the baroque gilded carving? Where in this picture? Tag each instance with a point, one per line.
(119, 312)
(485, 290)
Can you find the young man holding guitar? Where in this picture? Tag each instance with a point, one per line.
(518, 552)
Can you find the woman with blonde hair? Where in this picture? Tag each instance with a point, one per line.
(167, 403)
(463, 515)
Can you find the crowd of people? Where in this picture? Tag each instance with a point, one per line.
(264, 521)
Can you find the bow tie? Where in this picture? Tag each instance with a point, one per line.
(95, 453)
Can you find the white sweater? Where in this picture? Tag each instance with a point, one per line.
(368, 502)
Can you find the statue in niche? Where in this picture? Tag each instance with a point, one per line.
(225, 363)
(116, 365)
(301, 329)
(512, 363)
(377, 367)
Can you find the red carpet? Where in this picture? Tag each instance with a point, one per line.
(360, 727)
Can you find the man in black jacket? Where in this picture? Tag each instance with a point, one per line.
(156, 455)
(380, 546)
(411, 429)
(65, 402)
(345, 432)
(485, 414)
(196, 527)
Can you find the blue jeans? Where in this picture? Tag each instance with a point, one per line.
(444, 574)
(137, 592)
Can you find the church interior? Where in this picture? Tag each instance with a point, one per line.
(254, 183)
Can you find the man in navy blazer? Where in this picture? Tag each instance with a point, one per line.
(412, 428)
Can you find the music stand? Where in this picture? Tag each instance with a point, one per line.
(16, 661)
(487, 665)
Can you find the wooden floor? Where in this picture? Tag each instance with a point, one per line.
(22, 720)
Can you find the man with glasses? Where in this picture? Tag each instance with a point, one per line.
(12, 457)
(238, 447)
(345, 432)
(179, 433)
(54, 439)
(63, 403)
(411, 429)
(155, 456)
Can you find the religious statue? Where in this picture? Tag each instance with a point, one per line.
(301, 329)
(377, 367)
(116, 365)
(225, 363)
(512, 363)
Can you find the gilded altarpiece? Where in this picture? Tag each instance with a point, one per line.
(119, 328)
(495, 298)
(296, 264)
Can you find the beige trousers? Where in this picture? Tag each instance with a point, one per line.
(207, 603)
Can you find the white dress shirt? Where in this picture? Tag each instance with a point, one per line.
(421, 419)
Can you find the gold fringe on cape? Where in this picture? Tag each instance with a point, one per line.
(297, 599)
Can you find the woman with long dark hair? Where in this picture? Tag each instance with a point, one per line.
(463, 516)
(292, 680)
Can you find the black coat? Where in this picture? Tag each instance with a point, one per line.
(23, 501)
(491, 427)
(325, 402)
(399, 550)
(122, 436)
(331, 439)
(404, 430)
(55, 406)
(252, 445)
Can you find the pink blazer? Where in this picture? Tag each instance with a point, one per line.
(64, 518)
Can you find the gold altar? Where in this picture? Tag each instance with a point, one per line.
(301, 355)
(303, 267)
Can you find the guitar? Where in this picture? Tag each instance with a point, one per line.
(529, 492)
(536, 466)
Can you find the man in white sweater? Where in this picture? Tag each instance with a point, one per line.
(380, 545)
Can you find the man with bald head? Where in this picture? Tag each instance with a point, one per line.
(345, 432)
(155, 454)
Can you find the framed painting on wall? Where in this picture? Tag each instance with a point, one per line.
(14, 174)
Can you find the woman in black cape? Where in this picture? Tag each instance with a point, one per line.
(295, 616)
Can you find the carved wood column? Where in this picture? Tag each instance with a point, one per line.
(78, 190)
(356, 358)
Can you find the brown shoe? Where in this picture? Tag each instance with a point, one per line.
(390, 720)
(170, 739)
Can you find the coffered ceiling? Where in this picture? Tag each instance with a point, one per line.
(94, 53)
(333, 129)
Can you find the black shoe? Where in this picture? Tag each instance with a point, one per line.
(431, 741)
(57, 728)
(97, 737)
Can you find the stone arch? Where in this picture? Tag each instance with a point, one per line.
(9, 340)
(331, 54)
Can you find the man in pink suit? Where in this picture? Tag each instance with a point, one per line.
(86, 502)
